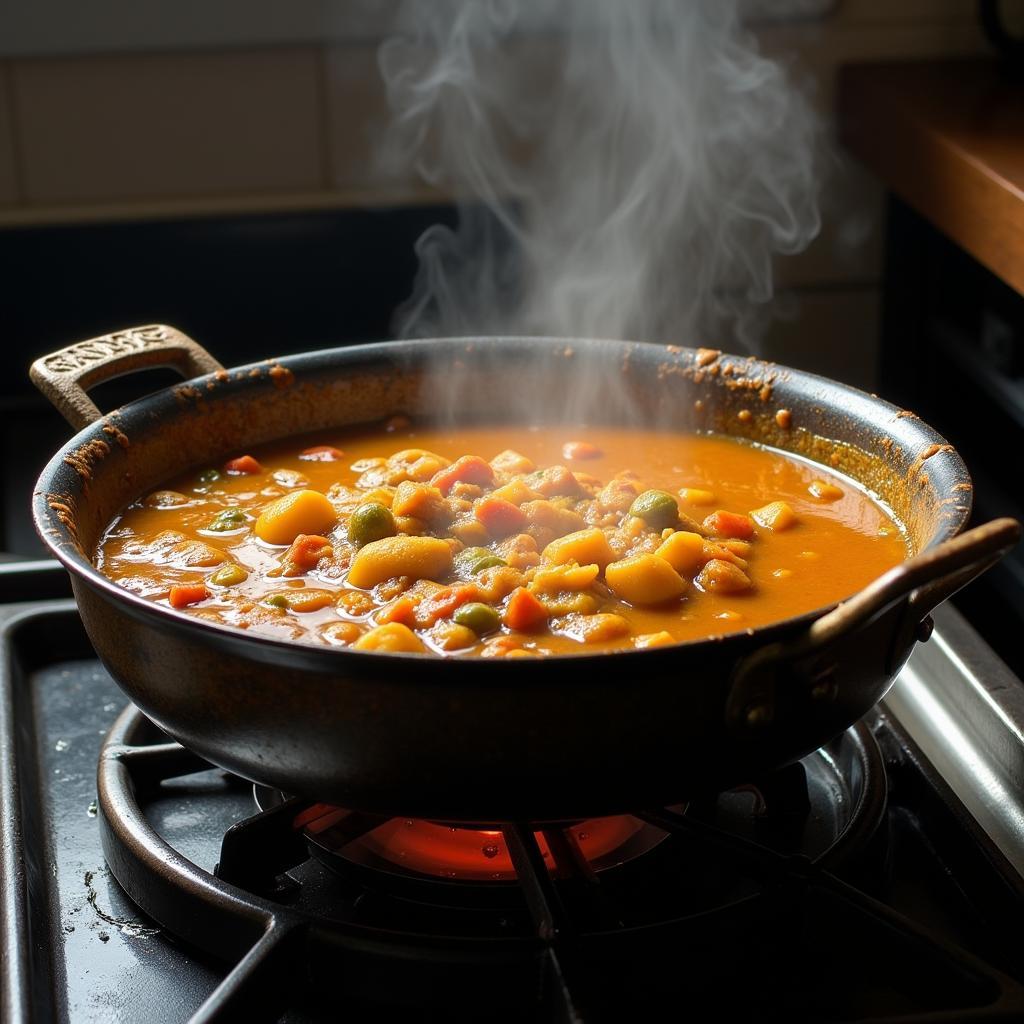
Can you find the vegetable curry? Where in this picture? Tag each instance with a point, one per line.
(502, 542)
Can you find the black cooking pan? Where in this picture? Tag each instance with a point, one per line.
(483, 740)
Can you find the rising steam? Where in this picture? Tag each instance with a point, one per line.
(625, 168)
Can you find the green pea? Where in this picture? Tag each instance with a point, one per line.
(209, 476)
(657, 508)
(228, 576)
(370, 522)
(276, 601)
(467, 558)
(228, 519)
(487, 563)
(479, 617)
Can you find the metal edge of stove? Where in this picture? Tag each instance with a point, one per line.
(964, 709)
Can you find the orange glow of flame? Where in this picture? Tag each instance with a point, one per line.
(445, 851)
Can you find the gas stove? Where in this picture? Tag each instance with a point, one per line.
(878, 879)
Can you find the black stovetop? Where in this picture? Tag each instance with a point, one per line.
(916, 920)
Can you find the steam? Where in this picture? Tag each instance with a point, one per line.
(625, 168)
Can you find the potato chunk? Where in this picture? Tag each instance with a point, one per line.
(302, 511)
(775, 516)
(417, 557)
(644, 579)
(569, 576)
(587, 547)
(392, 636)
(683, 551)
(721, 577)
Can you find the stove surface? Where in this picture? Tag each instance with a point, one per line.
(922, 920)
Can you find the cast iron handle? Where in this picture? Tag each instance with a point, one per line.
(65, 376)
(925, 580)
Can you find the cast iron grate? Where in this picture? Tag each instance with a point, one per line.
(782, 937)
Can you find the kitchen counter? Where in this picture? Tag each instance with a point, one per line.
(947, 138)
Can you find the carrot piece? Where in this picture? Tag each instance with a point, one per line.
(321, 453)
(444, 602)
(729, 524)
(576, 450)
(307, 549)
(243, 465)
(500, 517)
(402, 609)
(187, 593)
(470, 469)
(523, 611)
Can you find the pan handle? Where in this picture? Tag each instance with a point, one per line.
(925, 580)
(64, 376)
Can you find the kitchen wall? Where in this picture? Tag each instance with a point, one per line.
(129, 110)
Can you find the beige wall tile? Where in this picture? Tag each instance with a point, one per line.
(98, 128)
(8, 173)
(357, 117)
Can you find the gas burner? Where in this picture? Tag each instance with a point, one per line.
(417, 848)
(741, 868)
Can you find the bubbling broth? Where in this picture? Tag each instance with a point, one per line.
(502, 541)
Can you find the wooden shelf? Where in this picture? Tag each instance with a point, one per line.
(948, 138)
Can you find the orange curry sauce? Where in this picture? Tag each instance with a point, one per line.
(468, 551)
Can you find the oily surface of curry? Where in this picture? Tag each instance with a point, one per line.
(502, 541)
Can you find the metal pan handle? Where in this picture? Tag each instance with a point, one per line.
(65, 376)
(925, 580)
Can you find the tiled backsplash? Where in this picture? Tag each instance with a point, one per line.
(97, 136)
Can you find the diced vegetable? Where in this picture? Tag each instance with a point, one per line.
(470, 469)
(500, 517)
(303, 511)
(584, 546)
(660, 639)
(775, 516)
(444, 602)
(569, 576)
(422, 501)
(307, 599)
(242, 466)
(228, 576)
(729, 524)
(306, 551)
(524, 612)
(227, 520)
(696, 496)
(593, 629)
(479, 617)
(644, 579)
(683, 551)
(516, 491)
(657, 508)
(466, 560)
(488, 562)
(417, 557)
(186, 594)
(555, 480)
(451, 636)
(392, 636)
(340, 634)
(577, 450)
(370, 522)
(825, 491)
(512, 463)
(721, 577)
(402, 609)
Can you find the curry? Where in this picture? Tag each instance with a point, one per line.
(502, 542)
